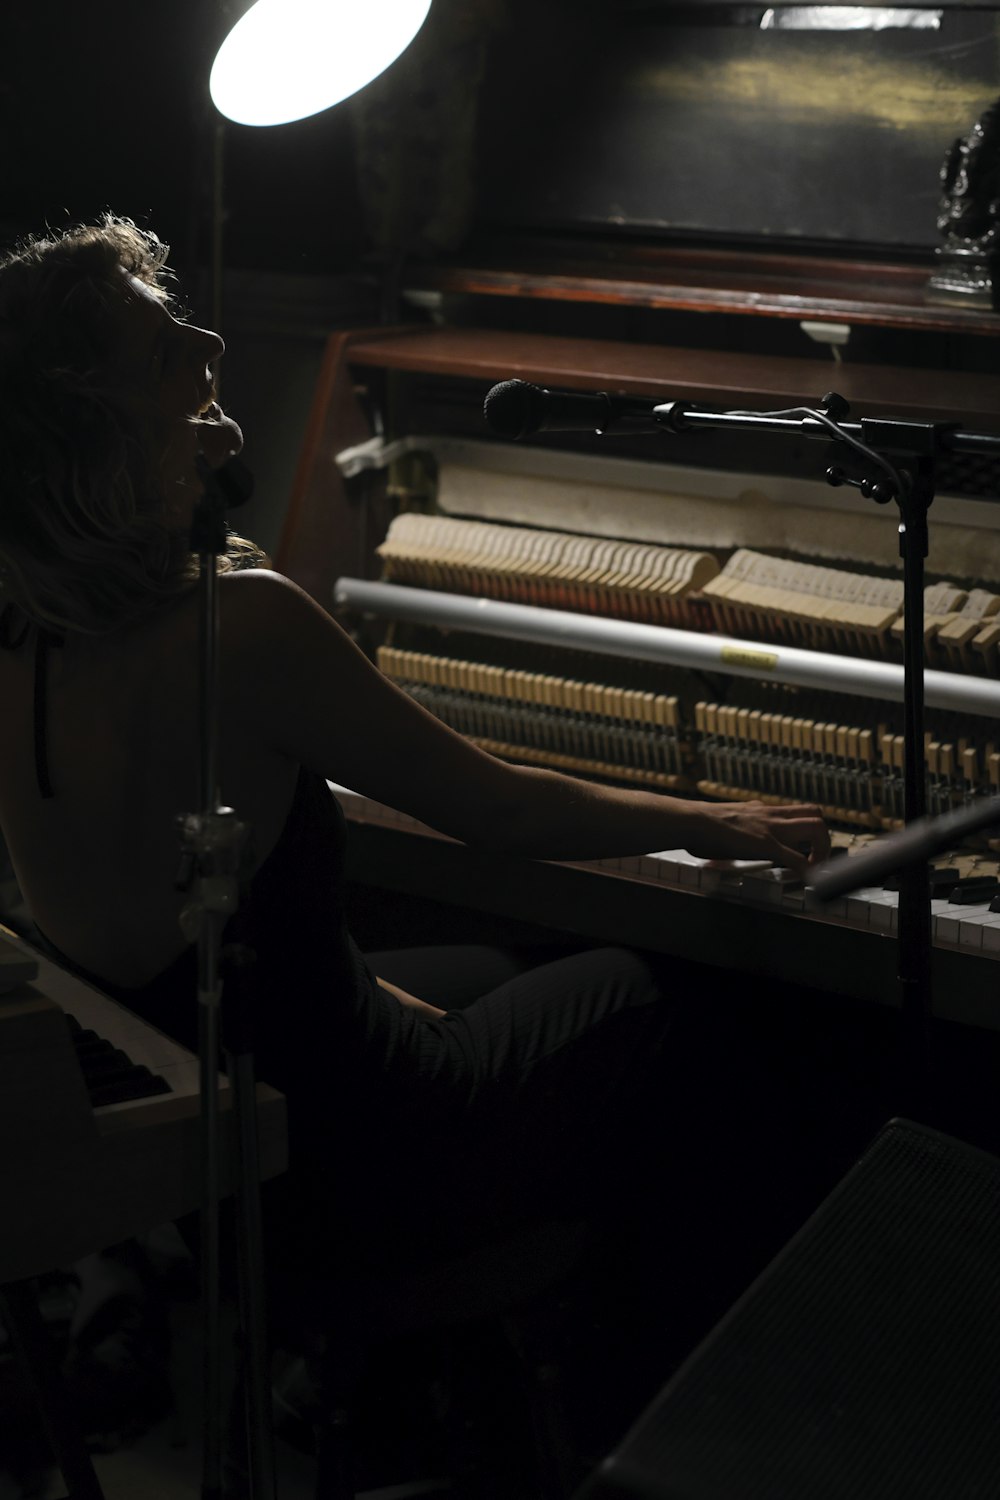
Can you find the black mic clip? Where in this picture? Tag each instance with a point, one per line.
(672, 415)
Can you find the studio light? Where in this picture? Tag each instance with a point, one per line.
(286, 59)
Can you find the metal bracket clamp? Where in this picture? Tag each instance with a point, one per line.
(212, 849)
(376, 453)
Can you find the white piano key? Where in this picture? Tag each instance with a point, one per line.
(882, 907)
(971, 924)
(939, 908)
(764, 892)
(669, 863)
(728, 875)
(691, 869)
(728, 883)
(834, 911)
(668, 867)
(859, 905)
(769, 883)
(946, 925)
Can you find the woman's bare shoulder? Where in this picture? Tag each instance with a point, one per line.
(267, 613)
(249, 593)
(244, 583)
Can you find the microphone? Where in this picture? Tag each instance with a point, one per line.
(230, 485)
(516, 408)
(235, 481)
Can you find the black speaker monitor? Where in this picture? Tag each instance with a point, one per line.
(863, 1364)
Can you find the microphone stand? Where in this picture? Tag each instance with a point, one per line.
(911, 486)
(516, 409)
(212, 842)
(914, 844)
(912, 489)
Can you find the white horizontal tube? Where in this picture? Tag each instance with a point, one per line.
(682, 648)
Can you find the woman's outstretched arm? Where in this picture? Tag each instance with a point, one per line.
(315, 697)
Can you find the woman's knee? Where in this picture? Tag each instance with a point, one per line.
(625, 973)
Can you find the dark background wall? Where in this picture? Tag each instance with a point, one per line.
(107, 105)
(604, 117)
(667, 118)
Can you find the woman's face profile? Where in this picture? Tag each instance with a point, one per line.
(169, 364)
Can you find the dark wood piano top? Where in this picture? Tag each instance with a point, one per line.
(719, 378)
(759, 283)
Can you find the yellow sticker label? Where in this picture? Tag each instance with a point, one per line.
(736, 656)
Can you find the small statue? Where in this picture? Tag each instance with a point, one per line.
(969, 218)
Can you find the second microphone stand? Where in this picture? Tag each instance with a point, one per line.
(911, 487)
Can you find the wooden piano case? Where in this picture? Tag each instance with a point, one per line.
(757, 293)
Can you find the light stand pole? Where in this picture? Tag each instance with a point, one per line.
(213, 840)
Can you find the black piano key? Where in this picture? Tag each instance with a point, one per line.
(140, 1083)
(942, 880)
(973, 890)
(109, 1074)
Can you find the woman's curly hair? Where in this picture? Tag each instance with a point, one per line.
(85, 544)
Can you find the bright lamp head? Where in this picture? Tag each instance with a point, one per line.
(286, 59)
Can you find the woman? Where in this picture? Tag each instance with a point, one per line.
(398, 1110)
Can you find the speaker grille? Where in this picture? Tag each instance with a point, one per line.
(864, 1362)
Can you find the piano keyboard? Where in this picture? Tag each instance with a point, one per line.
(109, 1074)
(100, 1134)
(749, 912)
(103, 1024)
(756, 883)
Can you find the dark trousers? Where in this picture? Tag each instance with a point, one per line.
(527, 1099)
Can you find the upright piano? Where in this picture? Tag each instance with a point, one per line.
(697, 612)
